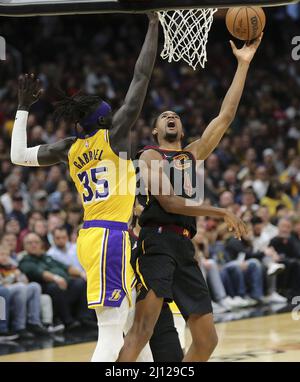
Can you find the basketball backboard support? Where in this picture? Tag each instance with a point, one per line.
(50, 7)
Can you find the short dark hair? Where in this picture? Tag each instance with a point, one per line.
(256, 220)
(280, 207)
(32, 212)
(62, 228)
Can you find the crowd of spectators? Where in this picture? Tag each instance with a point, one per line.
(255, 171)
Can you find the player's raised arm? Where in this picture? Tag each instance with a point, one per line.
(157, 182)
(127, 115)
(43, 155)
(214, 132)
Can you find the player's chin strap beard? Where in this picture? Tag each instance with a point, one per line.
(171, 138)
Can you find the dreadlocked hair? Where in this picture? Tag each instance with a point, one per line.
(75, 108)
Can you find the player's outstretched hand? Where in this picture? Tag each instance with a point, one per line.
(235, 224)
(153, 17)
(29, 90)
(247, 52)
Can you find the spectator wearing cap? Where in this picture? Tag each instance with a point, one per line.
(17, 210)
(40, 202)
(24, 297)
(287, 253)
(63, 250)
(63, 283)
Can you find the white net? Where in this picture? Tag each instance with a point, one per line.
(186, 33)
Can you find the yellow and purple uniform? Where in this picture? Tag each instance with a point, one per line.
(106, 184)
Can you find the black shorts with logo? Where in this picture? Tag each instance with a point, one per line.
(166, 265)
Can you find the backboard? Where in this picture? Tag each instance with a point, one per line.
(48, 7)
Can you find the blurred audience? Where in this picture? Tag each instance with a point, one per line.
(24, 298)
(255, 171)
(63, 250)
(65, 284)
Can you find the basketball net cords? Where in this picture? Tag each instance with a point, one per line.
(186, 34)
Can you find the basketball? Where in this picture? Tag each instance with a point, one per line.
(246, 23)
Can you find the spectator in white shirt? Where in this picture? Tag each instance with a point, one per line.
(261, 244)
(261, 182)
(63, 250)
(268, 229)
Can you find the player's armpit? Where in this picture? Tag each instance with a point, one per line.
(203, 147)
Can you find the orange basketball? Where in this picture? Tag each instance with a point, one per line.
(246, 23)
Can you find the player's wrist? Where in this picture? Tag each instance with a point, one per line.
(244, 63)
(153, 18)
(227, 213)
(23, 107)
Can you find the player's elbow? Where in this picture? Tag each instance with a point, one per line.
(24, 158)
(228, 116)
(167, 204)
(16, 157)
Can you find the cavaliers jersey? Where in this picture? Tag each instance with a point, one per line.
(180, 168)
(105, 182)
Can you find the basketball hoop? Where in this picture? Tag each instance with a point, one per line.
(186, 34)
